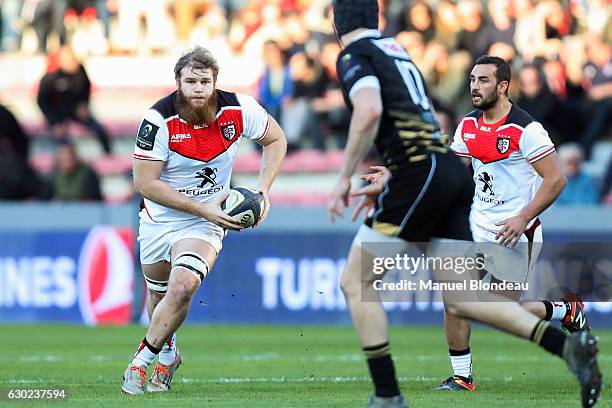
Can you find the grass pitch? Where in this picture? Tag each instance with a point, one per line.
(284, 366)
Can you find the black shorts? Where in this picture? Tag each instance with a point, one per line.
(426, 199)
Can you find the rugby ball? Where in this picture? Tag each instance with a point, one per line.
(244, 204)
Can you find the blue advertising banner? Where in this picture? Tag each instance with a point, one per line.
(282, 277)
(83, 276)
(260, 277)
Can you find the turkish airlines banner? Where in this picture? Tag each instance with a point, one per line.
(260, 277)
(83, 276)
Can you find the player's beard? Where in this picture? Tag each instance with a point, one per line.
(197, 115)
(486, 103)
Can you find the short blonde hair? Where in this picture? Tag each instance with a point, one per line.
(198, 58)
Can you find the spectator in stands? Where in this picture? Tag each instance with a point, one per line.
(10, 34)
(64, 96)
(17, 179)
(414, 43)
(46, 17)
(275, 86)
(530, 34)
(296, 32)
(84, 32)
(418, 17)
(12, 133)
(73, 180)
(598, 78)
(298, 120)
(606, 186)
(501, 27)
(160, 31)
(186, 12)
(537, 99)
(105, 9)
(558, 22)
(446, 117)
(211, 29)
(446, 76)
(447, 24)
(471, 19)
(330, 109)
(581, 188)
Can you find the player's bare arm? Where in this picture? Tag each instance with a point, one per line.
(274, 149)
(365, 121)
(148, 184)
(549, 168)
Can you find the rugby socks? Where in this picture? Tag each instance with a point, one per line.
(145, 354)
(549, 338)
(382, 370)
(461, 360)
(555, 310)
(167, 354)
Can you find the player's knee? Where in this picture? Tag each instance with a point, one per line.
(455, 309)
(350, 284)
(183, 285)
(156, 297)
(188, 271)
(157, 288)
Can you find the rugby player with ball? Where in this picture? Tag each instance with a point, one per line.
(185, 149)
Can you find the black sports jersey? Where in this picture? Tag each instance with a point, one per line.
(409, 130)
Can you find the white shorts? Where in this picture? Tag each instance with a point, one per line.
(157, 238)
(505, 263)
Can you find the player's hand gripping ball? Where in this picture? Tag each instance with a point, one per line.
(245, 205)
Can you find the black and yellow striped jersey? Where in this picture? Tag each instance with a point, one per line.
(409, 129)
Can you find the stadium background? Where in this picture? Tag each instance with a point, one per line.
(67, 260)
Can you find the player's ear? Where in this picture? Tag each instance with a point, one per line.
(502, 86)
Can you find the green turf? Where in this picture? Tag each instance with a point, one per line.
(245, 366)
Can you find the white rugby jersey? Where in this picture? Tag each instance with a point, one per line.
(502, 155)
(198, 159)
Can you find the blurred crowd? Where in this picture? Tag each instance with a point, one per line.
(560, 52)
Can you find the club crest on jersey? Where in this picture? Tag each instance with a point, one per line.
(503, 145)
(228, 131)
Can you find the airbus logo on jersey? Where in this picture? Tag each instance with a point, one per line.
(468, 136)
(180, 137)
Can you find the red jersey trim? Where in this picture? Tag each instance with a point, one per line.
(265, 130)
(462, 154)
(144, 204)
(143, 157)
(542, 155)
